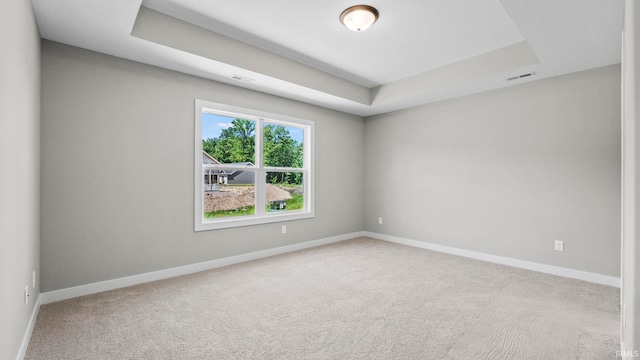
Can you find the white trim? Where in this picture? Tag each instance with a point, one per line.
(260, 216)
(68, 293)
(27, 333)
(630, 227)
(528, 265)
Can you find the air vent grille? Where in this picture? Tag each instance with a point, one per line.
(242, 78)
(521, 76)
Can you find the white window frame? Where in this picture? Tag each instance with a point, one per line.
(261, 216)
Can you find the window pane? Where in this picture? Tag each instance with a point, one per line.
(229, 193)
(285, 191)
(283, 146)
(228, 140)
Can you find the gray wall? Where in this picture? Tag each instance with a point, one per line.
(101, 217)
(19, 169)
(505, 172)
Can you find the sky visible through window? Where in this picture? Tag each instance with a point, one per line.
(212, 126)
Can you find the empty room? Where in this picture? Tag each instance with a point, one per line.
(285, 179)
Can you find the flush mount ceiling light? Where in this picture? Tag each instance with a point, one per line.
(359, 17)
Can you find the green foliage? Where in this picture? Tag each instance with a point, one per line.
(279, 147)
(209, 145)
(247, 210)
(282, 151)
(284, 178)
(295, 203)
(237, 144)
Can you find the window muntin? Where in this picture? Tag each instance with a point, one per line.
(251, 167)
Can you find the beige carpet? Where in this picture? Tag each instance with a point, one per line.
(359, 299)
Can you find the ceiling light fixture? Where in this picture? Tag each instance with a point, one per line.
(359, 17)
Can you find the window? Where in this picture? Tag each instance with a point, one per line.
(250, 167)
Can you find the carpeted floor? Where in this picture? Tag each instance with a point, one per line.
(359, 299)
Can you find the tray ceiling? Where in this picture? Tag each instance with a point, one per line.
(418, 51)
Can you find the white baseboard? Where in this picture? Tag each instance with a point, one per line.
(543, 268)
(68, 293)
(27, 333)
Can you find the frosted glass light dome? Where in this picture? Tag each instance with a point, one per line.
(359, 17)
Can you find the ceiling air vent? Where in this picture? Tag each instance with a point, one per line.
(242, 78)
(521, 76)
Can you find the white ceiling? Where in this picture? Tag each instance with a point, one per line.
(418, 52)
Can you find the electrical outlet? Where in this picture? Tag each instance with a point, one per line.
(26, 295)
(284, 229)
(559, 245)
(379, 220)
(34, 279)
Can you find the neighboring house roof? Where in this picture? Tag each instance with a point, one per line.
(208, 159)
(235, 173)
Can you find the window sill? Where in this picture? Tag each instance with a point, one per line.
(226, 223)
